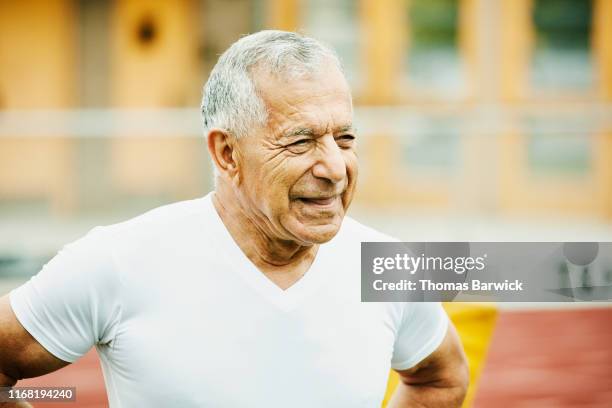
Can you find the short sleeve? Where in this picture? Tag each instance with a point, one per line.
(422, 329)
(73, 302)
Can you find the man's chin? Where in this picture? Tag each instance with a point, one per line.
(316, 234)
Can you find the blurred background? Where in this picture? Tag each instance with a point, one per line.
(481, 120)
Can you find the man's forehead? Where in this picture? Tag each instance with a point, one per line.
(306, 105)
(278, 87)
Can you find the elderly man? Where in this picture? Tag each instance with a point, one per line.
(250, 296)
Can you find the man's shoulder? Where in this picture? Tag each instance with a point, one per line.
(356, 231)
(164, 221)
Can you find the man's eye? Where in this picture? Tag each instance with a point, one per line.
(300, 142)
(345, 140)
(299, 146)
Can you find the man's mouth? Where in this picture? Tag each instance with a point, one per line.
(319, 201)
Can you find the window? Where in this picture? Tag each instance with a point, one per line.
(335, 23)
(562, 59)
(433, 147)
(433, 60)
(559, 149)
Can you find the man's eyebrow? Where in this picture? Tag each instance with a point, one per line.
(345, 128)
(306, 131)
(301, 131)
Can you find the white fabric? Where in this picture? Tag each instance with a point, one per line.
(181, 317)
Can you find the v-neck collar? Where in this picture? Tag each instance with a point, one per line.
(286, 299)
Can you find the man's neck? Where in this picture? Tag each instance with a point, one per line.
(282, 261)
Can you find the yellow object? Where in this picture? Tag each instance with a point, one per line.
(475, 323)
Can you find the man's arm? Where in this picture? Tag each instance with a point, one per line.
(21, 356)
(440, 380)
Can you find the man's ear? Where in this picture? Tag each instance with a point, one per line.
(221, 146)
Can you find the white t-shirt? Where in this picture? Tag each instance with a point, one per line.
(181, 318)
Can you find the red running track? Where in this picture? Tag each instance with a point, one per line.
(85, 375)
(551, 359)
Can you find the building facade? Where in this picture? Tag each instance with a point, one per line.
(486, 106)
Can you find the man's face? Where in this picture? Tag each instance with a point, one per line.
(298, 173)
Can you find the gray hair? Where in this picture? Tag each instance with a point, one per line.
(230, 99)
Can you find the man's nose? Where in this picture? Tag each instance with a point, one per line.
(330, 164)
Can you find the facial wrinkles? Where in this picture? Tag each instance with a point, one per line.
(312, 186)
(270, 171)
(308, 186)
(310, 108)
(325, 148)
(288, 108)
(260, 220)
(265, 246)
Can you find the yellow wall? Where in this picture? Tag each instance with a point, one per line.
(37, 71)
(496, 42)
(37, 54)
(383, 39)
(282, 14)
(155, 73)
(603, 46)
(40, 69)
